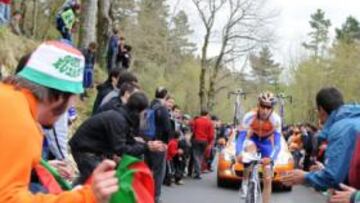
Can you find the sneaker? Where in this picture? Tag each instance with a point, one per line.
(197, 177)
(180, 182)
(167, 183)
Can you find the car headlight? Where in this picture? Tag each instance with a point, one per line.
(282, 160)
(291, 161)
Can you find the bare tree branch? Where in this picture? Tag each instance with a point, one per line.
(219, 89)
(243, 31)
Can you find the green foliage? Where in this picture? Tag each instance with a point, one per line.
(319, 34)
(264, 69)
(180, 34)
(349, 31)
(162, 53)
(308, 79)
(340, 69)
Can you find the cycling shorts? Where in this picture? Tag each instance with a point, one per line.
(263, 145)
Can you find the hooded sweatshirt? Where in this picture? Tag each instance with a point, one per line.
(340, 130)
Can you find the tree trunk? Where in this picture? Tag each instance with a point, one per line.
(88, 22)
(34, 20)
(202, 89)
(23, 8)
(104, 29)
(215, 73)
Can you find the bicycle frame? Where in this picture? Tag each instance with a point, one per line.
(254, 187)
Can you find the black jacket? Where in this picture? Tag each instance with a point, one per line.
(113, 104)
(90, 58)
(108, 133)
(103, 90)
(163, 124)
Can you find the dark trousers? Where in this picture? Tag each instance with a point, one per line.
(190, 162)
(179, 164)
(198, 148)
(211, 158)
(169, 174)
(157, 164)
(65, 32)
(86, 164)
(175, 169)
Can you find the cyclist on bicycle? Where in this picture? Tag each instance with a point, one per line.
(262, 126)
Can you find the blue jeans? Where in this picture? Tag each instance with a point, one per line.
(5, 14)
(88, 77)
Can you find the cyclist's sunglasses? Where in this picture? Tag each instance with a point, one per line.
(265, 107)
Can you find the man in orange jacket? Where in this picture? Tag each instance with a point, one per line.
(36, 96)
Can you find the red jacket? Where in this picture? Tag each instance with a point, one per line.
(172, 149)
(5, 1)
(354, 174)
(203, 129)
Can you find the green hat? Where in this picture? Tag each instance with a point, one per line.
(56, 65)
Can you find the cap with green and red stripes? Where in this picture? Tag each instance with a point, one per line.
(56, 65)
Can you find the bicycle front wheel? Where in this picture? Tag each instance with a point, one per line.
(251, 193)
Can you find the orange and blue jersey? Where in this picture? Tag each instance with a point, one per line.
(266, 134)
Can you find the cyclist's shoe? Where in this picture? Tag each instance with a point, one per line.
(244, 193)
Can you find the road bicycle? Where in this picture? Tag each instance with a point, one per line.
(254, 186)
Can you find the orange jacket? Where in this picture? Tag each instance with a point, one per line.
(21, 141)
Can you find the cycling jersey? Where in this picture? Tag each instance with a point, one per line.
(266, 134)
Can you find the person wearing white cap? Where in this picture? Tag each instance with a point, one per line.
(36, 96)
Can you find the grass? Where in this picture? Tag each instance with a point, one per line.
(13, 47)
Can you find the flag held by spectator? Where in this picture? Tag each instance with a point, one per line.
(136, 184)
(50, 178)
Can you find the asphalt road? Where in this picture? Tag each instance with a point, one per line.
(206, 191)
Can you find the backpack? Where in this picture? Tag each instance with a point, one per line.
(148, 123)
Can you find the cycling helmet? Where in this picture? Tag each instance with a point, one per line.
(267, 98)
